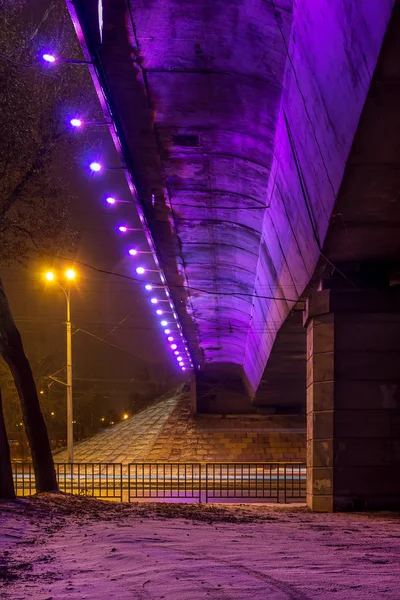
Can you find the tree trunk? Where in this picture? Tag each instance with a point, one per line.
(6, 478)
(12, 351)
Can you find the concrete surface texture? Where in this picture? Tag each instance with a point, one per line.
(362, 240)
(332, 53)
(77, 549)
(168, 432)
(353, 378)
(237, 119)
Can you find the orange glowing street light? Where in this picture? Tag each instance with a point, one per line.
(69, 275)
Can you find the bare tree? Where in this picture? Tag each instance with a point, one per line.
(6, 478)
(34, 198)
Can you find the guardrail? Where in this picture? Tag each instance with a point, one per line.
(164, 480)
(259, 481)
(196, 482)
(98, 480)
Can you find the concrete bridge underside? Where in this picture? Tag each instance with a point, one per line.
(261, 136)
(238, 118)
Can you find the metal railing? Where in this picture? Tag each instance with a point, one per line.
(24, 480)
(98, 480)
(164, 480)
(209, 482)
(252, 482)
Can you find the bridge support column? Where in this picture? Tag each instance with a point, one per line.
(353, 399)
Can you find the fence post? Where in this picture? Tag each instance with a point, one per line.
(284, 483)
(278, 483)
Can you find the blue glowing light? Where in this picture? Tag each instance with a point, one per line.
(49, 58)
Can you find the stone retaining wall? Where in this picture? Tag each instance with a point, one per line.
(168, 432)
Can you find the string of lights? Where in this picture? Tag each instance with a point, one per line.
(169, 318)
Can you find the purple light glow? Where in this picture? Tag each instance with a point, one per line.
(122, 229)
(170, 339)
(174, 346)
(167, 331)
(154, 300)
(179, 358)
(177, 354)
(110, 200)
(147, 287)
(159, 311)
(49, 58)
(164, 323)
(140, 270)
(76, 122)
(183, 368)
(95, 166)
(133, 252)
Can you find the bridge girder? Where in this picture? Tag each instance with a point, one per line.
(237, 118)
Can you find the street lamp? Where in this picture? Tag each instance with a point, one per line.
(77, 122)
(70, 275)
(52, 58)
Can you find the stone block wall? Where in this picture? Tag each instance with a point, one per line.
(233, 438)
(167, 431)
(353, 400)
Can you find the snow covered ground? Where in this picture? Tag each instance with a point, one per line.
(56, 547)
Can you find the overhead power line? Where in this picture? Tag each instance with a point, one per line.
(183, 287)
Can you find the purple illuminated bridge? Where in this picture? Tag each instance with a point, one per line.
(237, 119)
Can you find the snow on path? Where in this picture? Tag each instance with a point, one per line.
(255, 553)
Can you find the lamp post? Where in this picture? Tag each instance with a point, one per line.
(70, 275)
